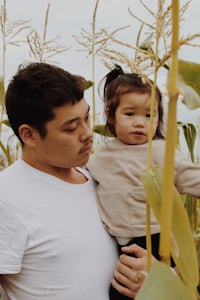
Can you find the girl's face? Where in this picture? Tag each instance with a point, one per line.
(132, 118)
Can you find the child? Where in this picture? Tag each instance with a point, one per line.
(117, 164)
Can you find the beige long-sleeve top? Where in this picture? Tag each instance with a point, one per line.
(116, 167)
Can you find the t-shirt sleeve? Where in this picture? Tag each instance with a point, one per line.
(187, 178)
(13, 239)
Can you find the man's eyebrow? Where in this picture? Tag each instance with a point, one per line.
(75, 119)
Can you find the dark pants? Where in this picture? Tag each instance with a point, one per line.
(141, 241)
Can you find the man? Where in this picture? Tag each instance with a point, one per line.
(52, 243)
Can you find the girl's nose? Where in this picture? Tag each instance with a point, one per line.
(139, 121)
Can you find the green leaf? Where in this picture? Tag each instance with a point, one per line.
(188, 82)
(146, 44)
(6, 122)
(190, 132)
(182, 246)
(102, 130)
(191, 203)
(6, 151)
(2, 91)
(88, 84)
(162, 284)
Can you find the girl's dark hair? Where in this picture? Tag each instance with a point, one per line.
(118, 83)
(36, 90)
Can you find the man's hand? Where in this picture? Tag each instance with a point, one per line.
(130, 272)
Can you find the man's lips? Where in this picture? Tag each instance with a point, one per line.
(86, 148)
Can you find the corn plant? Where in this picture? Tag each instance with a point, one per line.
(161, 194)
(41, 49)
(10, 34)
(148, 60)
(167, 205)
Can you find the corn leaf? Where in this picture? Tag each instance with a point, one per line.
(88, 84)
(146, 44)
(6, 151)
(190, 132)
(191, 203)
(6, 122)
(188, 82)
(182, 243)
(102, 130)
(162, 283)
(2, 91)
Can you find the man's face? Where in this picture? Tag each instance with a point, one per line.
(68, 141)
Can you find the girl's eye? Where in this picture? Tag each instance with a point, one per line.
(147, 115)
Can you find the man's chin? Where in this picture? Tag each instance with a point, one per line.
(84, 161)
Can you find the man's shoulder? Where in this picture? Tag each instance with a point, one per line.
(8, 171)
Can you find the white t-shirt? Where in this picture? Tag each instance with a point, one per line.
(52, 243)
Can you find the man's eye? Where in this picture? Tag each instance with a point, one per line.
(148, 115)
(70, 129)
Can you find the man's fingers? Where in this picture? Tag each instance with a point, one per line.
(130, 271)
(135, 249)
(125, 290)
(127, 281)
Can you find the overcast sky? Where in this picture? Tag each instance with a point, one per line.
(68, 17)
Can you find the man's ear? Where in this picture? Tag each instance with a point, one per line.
(27, 134)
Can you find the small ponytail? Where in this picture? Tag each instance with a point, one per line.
(112, 75)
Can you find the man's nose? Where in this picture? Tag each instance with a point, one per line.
(86, 132)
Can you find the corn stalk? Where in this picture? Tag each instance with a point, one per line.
(167, 199)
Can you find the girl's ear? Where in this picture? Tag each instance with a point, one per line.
(27, 134)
